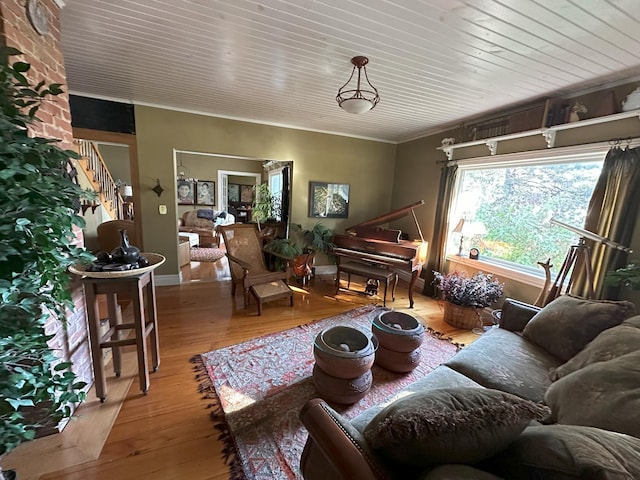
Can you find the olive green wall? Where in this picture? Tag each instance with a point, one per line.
(116, 158)
(368, 166)
(418, 166)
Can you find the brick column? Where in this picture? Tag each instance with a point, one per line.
(44, 53)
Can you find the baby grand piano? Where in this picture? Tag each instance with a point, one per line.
(368, 243)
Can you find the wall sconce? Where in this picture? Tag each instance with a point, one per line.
(158, 188)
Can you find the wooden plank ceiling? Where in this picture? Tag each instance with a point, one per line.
(434, 62)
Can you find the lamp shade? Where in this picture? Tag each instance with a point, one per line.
(127, 191)
(474, 228)
(459, 226)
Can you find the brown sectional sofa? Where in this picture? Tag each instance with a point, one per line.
(190, 222)
(577, 359)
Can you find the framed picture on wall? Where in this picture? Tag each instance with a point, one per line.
(186, 192)
(233, 192)
(205, 192)
(246, 193)
(328, 200)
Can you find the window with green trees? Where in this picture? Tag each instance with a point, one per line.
(513, 204)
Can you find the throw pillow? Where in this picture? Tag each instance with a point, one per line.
(568, 323)
(603, 395)
(612, 343)
(449, 425)
(563, 452)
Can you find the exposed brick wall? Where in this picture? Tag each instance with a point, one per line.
(44, 53)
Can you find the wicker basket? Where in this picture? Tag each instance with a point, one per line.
(462, 317)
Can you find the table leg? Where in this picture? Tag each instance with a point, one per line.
(153, 316)
(141, 341)
(414, 277)
(93, 314)
(115, 318)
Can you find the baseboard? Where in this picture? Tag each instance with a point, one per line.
(164, 280)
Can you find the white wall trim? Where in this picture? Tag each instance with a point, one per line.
(500, 271)
(166, 280)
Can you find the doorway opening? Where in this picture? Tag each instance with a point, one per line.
(232, 181)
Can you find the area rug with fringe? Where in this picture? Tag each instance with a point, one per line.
(206, 254)
(258, 387)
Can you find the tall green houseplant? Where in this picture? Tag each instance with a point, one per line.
(38, 204)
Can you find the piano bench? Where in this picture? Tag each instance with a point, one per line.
(368, 271)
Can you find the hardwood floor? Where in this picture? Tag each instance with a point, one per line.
(167, 434)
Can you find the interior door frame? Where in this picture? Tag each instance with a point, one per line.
(223, 181)
(130, 141)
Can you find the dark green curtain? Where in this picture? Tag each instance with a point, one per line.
(436, 259)
(612, 214)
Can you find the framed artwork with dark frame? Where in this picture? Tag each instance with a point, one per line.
(328, 200)
(233, 192)
(186, 192)
(246, 193)
(205, 192)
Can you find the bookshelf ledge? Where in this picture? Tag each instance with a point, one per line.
(549, 133)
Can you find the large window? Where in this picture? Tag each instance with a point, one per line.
(506, 208)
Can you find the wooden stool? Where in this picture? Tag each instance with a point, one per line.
(266, 292)
(368, 271)
(143, 325)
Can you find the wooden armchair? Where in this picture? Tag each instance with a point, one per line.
(246, 259)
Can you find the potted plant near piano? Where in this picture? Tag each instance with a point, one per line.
(464, 296)
(302, 247)
(37, 222)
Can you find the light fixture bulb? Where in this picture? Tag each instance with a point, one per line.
(356, 105)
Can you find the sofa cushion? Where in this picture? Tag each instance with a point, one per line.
(611, 343)
(568, 323)
(604, 395)
(457, 472)
(503, 360)
(563, 452)
(190, 219)
(449, 425)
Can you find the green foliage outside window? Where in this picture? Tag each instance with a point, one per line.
(516, 203)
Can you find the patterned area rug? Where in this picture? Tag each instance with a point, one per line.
(206, 254)
(258, 388)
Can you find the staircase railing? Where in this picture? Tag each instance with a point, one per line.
(98, 174)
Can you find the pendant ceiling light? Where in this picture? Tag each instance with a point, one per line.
(358, 100)
(183, 172)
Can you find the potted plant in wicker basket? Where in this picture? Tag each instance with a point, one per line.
(466, 295)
